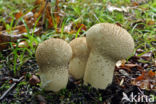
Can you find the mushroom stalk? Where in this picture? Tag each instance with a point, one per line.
(80, 55)
(52, 79)
(99, 78)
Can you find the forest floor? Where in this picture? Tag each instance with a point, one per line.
(26, 23)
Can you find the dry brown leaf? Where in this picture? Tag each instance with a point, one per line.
(81, 27)
(139, 50)
(140, 24)
(30, 19)
(1, 28)
(147, 80)
(18, 15)
(56, 12)
(3, 46)
(151, 74)
(48, 16)
(154, 62)
(68, 28)
(42, 7)
(118, 24)
(131, 65)
(120, 63)
(72, 28)
(37, 2)
(20, 28)
(29, 16)
(8, 20)
(34, 80)
(151, 22)
(22, 44)
(147, 56)
(113, 8)
(139, 2)
(5, 37)
(135, 4)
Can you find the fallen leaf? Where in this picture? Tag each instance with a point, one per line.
(48, 16)
(73, 28)
(37, 2)
(81, 27)
(154, 63)
(68, 28)
(123, 72)
(151, 22)
(18, 15)
(147, 56)
(118, 24)
(141, 77)
(131, 65)
(11, 81)
(41, 9)
(21, 28)
(139, 50)
(139, 2)
(77, 82)
(140, 24)
(120, 63)
(113, 8)
(135, 3)
(22, 44)
(146, 80)
(56, 12)
(151, 74)
(28, 16)
(34, 80)
(1, 28)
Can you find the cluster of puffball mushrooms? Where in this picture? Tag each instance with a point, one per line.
(91, 58)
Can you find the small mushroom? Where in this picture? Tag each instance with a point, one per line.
(79, 58)
(53, 56)
(107, 43)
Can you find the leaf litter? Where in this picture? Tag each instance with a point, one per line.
(131, 76)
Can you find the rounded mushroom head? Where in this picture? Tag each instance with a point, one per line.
(110, 40)
(79, 58)
(53, 52)
(53, 56)
(79, 47)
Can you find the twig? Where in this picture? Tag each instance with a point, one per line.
(43, 18)
(12, 86)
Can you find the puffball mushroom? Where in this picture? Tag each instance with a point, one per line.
(53, 56)
(79, 58)
(107, 43)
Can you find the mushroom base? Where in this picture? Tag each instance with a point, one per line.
(77, 66)
(99, 70)
(55, 79)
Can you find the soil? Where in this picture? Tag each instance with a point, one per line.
(75, 93)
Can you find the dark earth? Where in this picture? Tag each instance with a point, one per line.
(25, 92)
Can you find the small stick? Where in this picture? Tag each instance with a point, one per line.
(12, 86)
(43, 18)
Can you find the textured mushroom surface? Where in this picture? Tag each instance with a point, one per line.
(79, 58)
(53, 56)
(107, 43)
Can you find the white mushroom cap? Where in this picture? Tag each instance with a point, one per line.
(53, 56)
(107, 43)
(79, 58)
(111, 40)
